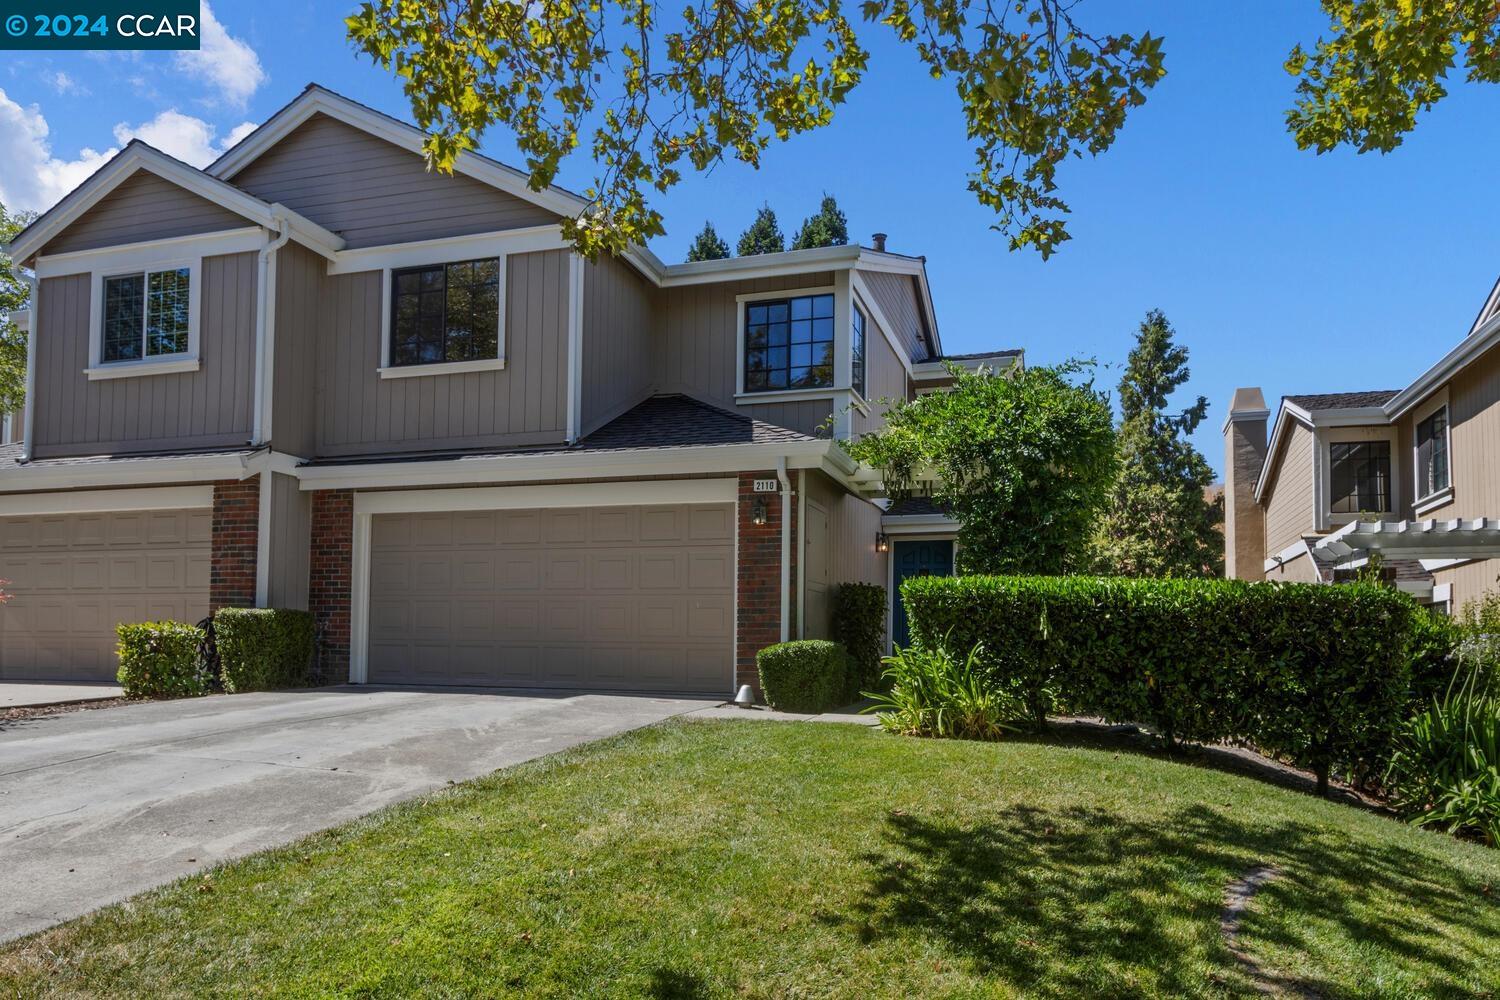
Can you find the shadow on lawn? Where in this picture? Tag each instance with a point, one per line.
(1079, 902)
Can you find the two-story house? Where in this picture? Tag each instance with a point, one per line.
(317, 375)
(1412, 474)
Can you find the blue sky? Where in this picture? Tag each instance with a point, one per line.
(1278, 268)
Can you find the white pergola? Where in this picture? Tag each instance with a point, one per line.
(1430, 540)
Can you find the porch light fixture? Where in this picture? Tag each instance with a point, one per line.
(882, 542)
(758, 513)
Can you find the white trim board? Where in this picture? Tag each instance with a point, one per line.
(320, 100)
(139, 156)
(98, 501)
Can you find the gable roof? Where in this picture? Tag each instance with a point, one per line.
(137, 156)
(316, 99)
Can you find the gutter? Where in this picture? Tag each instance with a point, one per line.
(28, 406)
(786, 547)
(265, 325)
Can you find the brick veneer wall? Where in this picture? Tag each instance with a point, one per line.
(759, 580)
(331, 569)
(232, 548)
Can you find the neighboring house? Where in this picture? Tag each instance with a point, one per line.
(317, 375)
(1413, 474)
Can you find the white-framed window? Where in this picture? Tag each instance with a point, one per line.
(147, 315)
(446, 313)
(1431, 452)
(857, 350)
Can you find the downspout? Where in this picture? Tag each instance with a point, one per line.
(265, 338)
(28, 405)
(265, 325)
(786, 547)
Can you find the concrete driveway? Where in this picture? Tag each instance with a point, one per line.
(97, 805)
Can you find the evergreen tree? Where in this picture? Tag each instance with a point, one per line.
(1160, 521)
(828, 228)
(763, 236)
(708, 246)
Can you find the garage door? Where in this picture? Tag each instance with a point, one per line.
(75, 576)
(625, 598)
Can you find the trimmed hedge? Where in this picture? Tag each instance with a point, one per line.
(859, 626)
(809, 675)
(160, 660)
(262, 649)
(1318, 673)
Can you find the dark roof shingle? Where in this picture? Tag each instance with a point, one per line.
(1342, 400)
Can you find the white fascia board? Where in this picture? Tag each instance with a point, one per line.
(1484, 337)
(445, 249)
(766, 265)
(151, 253)
(907, 524)
(582, 465)
(123, 472)
(1287, 414)
(139, 156)
(315, 100)
(99, 501)
(552, 496)
(1351, 416)
(931, 370)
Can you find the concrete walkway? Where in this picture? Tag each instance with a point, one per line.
(97, 806)
(18, 694)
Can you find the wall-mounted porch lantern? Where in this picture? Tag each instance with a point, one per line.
(758, 513)
(882, 542)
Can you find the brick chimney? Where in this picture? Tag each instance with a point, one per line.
(1244, 454)
(879, 240)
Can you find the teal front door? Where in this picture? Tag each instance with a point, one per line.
(915, 559)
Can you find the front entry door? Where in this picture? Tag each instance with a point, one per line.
(931, 558)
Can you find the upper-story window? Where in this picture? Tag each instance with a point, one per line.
(1432, 454)
(789, 343)
(857, 350)
(1360, 477)
(445, 312)
(146, 315)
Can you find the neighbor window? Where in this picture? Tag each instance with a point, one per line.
(857, 348)
(1360, 477)
(1432, 454)
(789, 343)
(445, 312)
(146, 315)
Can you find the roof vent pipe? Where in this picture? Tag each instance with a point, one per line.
(879, 240)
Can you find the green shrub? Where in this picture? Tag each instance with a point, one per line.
(810, 675)
(1445, 771)
(859, 626)
(1317, 673)
(262, 649)
(933, 693)
(160, 660)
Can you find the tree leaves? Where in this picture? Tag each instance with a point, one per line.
(15, 291)
(1022, 459)
(1384, 63)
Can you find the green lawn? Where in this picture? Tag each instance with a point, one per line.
(802, 860)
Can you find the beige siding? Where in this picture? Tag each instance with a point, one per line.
(885, 379)
(619, 340)
(373, 192)
(896, 297)
(1299, 570)
(291, 539)
(144, 207)
(699, 340)
(301, 282)
(525, 404)
(846, 554)
(207, 408)
(1289, 509)
(1469, 581)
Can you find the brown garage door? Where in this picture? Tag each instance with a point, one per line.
(624, 598)
(76, 576)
